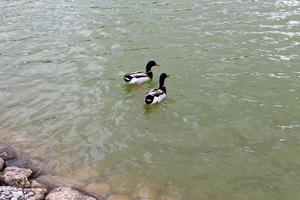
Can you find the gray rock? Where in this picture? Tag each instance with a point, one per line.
(6, 152)
(14, 193)
(67, 193)
(34, 165)
(1, 164)
(15, 176)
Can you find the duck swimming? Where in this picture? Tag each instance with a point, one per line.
(140, 77)
(156, 95)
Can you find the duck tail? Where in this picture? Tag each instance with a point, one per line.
(149, 99)
(127, 78)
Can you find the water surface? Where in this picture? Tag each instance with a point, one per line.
(229, 128)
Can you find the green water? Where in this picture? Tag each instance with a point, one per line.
(229, 128)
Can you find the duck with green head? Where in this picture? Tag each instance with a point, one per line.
(140, 77)
(156, 95)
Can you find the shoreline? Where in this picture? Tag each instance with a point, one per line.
(25, 176)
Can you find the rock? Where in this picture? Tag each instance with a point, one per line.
(15, 176)
(14, 193)
(118, 197)
(67, 193)
(34, 165)
(143, 192)
(36, 184)
(6, 152)
(52, 182)
(1, 164)
(101, 189)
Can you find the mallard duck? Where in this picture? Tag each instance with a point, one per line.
(156, 95)
(140, 77)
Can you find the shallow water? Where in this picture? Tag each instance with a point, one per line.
(229, 128)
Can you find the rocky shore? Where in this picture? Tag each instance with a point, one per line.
(22, 177)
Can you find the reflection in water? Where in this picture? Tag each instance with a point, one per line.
(148, 109)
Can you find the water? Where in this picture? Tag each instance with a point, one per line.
(229, 128)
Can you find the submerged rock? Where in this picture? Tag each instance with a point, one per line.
(85, 173)
(143, 192)
(15, 176)
(67, 193)
(101, 189)
(14, 193)
(119, 197)
(1, 164)
(34, 165)
(52, 182)
(6, 152)
(36, 184)
(123, 183)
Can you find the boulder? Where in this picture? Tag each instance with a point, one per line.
(6, 152)
(15, 176)
(100, 189)
(67, 193)
(119, 197)
(1, 164)
(14, 193)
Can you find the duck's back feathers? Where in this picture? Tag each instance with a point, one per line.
(155, 96)
(158, 94)
(136, 77)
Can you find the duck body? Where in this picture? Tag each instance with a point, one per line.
(140, 77)
(157, 95)
(137, 77)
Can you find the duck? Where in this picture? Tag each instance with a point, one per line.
(140, 77)
(156, 95)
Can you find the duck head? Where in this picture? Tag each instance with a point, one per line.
(162, 78)
(151, 64)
